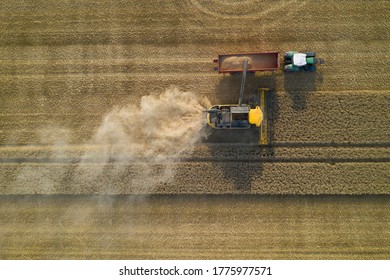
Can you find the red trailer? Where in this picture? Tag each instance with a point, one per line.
(232, 63)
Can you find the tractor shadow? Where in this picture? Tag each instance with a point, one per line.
(237, 153)
(299, 85)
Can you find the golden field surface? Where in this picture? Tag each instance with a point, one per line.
(194, 227)
(65, 65)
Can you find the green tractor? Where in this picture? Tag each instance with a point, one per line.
(295, 61)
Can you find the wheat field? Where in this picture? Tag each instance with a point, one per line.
(65, 66)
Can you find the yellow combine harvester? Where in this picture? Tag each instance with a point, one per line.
(242, 116)
(236, 116)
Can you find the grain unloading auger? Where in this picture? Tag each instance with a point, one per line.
(243, 116)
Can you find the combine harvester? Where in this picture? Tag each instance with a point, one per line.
(243, 116)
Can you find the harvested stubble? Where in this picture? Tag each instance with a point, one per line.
(196, 227)
(327, 177)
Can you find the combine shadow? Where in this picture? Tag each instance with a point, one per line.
(299, 85)
(235, 151)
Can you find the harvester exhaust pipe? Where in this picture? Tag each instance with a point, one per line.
(243, 81)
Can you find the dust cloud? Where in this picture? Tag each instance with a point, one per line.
(151, 137)
(160, 128)
(136, 149)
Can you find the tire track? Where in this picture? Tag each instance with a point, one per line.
(178, 160)
(280, 144)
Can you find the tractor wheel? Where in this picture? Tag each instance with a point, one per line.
(290, 68)
(289, 54)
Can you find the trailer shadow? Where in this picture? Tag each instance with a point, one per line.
(237, 153)
(299, 85)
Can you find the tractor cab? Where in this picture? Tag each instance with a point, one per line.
(295, 61)
(299, 59)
